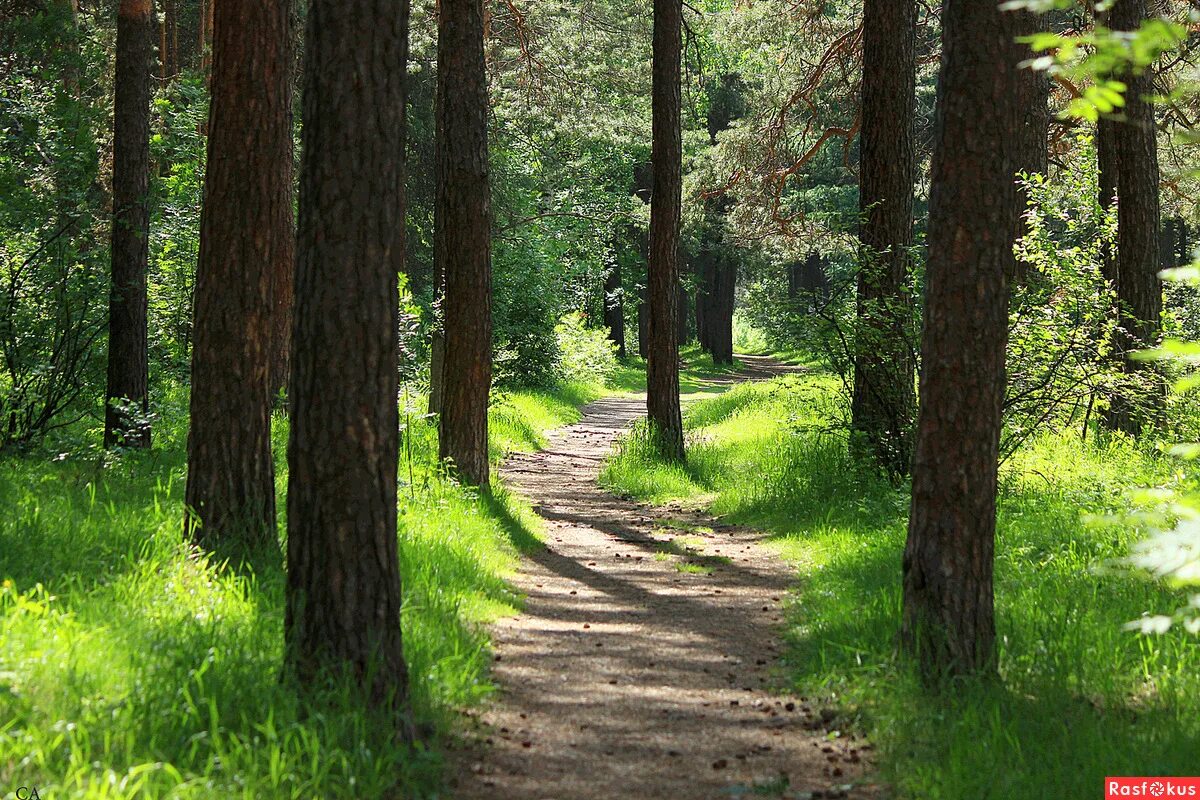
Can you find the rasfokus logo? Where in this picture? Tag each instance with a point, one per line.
(1151, 787)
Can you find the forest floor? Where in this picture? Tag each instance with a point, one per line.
(644, 662)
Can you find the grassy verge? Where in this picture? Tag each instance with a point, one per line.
(698, 375)
(134, 666)
(1079, 697)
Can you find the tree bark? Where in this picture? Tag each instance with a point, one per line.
(682, 321)
(246, 242)
(643, 318)
(463, 218)
(948, 622)
(719, 314)
(127, 406)
(343, 582)
(662, 363)
(883, 402)
(1106, 158)
(1034, 126)
(207, 11)
(1139, 290)
(614, 307)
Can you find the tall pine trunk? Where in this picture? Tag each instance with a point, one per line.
(343, 581)
(127, 406)
(246, 243)
(948, 620)
(883, 403)
(662, 364)
(463, 219)
(1139, 290)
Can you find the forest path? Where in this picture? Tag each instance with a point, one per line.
(642, 664)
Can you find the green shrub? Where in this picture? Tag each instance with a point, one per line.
(586, 355)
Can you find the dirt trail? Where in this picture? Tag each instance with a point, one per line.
(626, 677)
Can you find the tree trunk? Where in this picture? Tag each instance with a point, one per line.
(206, 35)
(201, 41)
(643, 317)
(463, 213)
(948, 622)
(662, 363)
(246, 241)
(682, 322)
(719, 314)
(1034, 125)
(1106, 163)
(343, 581)
(884, 400)
(705, 288)
(614, 307)
(127, 407)
(1139, 290)
(1167, 236)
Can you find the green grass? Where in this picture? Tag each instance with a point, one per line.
(1079, 697)
(132, 665)
(696, 376)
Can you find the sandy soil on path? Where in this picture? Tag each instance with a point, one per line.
(628, 676)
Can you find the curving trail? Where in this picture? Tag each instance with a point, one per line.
(627, 677)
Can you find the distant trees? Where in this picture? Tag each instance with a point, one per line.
(662, 367)
(127, 398)
(1131, 152)
(463, 221)
(883, 400)
(343, 581)
(243, 279)
(716, 273)
(614, 305)
(948, 620)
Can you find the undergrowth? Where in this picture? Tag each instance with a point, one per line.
(1079, 697)
(132, 665)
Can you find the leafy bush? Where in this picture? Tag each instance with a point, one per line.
(177, 189)
(1062, 315)
(53, 266)
(586, 355)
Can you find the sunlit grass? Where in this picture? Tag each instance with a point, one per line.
(1079, 698)
(132, 665)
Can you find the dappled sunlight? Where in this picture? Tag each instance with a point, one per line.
(1106, 699)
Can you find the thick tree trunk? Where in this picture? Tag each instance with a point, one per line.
(127, 407)
(246, 242)
(463, 213)
(662, 363)
(948, 621)
(614, 307)
(1139, 290)
(883, 403)
(343, 582)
